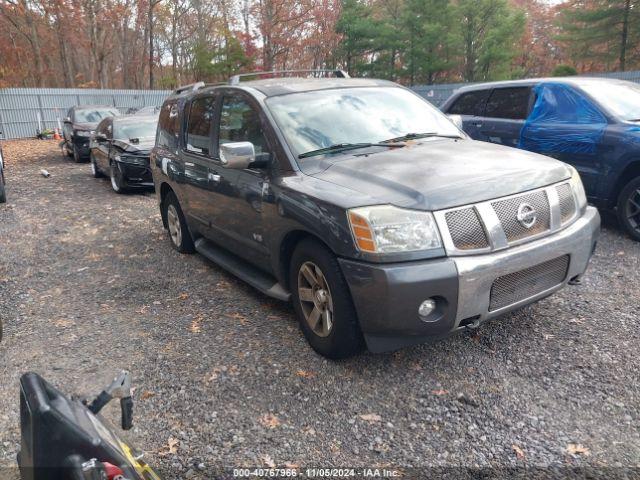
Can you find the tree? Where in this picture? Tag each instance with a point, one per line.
(490, 30)
(564, 71)
(604, 31)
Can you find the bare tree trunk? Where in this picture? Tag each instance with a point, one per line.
(625, 35)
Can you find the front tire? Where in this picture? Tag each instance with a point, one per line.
(177, 225)
(117, 181)
(76, 155)
(3, 194)
(629, 208)
(322, 302)
(95, 172)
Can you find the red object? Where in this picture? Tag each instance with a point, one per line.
(112, 470)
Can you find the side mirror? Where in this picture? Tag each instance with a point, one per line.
(238, 155)
(67, 120)
(457, 120)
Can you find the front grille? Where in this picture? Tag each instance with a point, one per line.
(514, 287)
(466, 229)
(567, 203)
(507, 211)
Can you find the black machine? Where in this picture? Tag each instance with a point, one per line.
(64, 438)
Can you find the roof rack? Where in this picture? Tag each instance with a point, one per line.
(192, 87)
(237, 78)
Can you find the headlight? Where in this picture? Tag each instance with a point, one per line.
(578, 190)
(132, 159)
(387, 229)
(83, 133)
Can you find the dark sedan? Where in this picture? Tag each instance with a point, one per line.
(79, 124)
(120, 150)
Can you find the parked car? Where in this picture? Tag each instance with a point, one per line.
(80, 122)
(367, 207)
(3, 193)
(150, 110)
(120, 150)
(590, 123)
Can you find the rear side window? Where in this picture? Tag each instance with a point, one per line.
(198, 135)
(470, 103)
(510, 103)
(168, 126)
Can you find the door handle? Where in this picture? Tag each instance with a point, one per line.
(214, 177)
(477, 124)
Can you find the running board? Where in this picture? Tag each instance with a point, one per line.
(242, 269)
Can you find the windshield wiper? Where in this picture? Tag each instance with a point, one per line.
(341, 147)
(413, 136)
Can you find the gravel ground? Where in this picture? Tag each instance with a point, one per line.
(89, 284)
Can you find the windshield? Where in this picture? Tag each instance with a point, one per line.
(94, 116)
(620, 99)
(140, 129)
(320, 119)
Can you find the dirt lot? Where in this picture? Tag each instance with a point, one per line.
(89, 284)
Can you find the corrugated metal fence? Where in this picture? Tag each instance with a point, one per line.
(23, 111)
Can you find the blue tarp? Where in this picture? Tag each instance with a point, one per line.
(562, 121)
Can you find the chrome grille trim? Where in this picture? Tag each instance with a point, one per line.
(498, 219)
(521, 285)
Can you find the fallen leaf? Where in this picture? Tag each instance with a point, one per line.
(195, 327)
(305, 374)
(146, 394)
(183, 296)
(236, 316)
(440, 392)
(577, 449)
(519, 451)
(268, 461)
(291, 465)
(371, 417)
(269, 420)
(170, 448)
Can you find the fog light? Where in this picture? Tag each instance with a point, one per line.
(427, 307)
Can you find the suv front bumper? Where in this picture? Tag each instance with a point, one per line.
(387, 296)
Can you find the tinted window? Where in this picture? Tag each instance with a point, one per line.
(199, 125)
(508, 103)
(470, 103)
(239, 122)
(168, 126)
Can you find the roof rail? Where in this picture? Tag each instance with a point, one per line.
(192, 87)
(237, 78)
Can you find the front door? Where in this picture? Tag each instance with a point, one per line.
(505, 114)
(239, 214)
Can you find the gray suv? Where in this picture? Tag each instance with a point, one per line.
(381, 221)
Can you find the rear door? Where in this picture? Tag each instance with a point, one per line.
(504, 115)
(102, 148)
(469, 106)
(197, 156)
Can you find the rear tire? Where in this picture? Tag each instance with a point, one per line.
(117, 182)
(322, 302)
(628, 208)
(179, 234)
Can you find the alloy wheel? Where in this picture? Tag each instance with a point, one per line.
(315, 299)
(173, 221)
(633, 210)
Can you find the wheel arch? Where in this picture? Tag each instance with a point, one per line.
(288, 244)
(631, 171)
(165, 189)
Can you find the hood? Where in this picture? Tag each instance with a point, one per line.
(142, 148)
(439, 174)
(85, 126)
